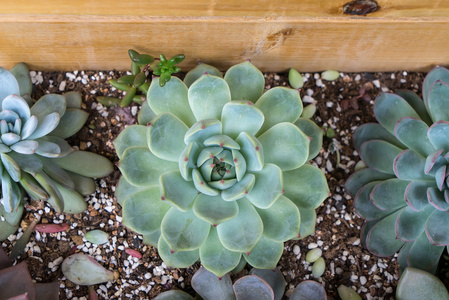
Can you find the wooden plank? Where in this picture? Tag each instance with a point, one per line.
(310, 35)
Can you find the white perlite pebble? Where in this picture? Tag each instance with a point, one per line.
(62, 86)
(296, 250)
(376, 83)
(363, 280)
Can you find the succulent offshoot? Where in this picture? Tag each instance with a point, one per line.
(84, 270)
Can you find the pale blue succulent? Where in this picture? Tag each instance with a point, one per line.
(35, 158)
(218, 171)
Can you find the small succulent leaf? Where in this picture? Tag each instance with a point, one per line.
(215, 258)
(171, 98)
(440, 176)
(152, 238)
(207, 96)
(176, 259)
(239, 115)
(84, 270)
(240, 189)
(213, 209)
(389, 194)
(55, 196)
(274, 278)
(410, 223)
(29, 127)
(306, 186)
(8, 84)
(175, 190)
(265, 254)
(434, 161)
(252, 151)
(9, 116)
(183, 231)
(222, 141)
(373, 131)
(366, 227)
(251, 287)
(10, 138)
(424, 255)
(48, 149)
(416, 194)
(187, 160)
(295, 79)
(165, 137)
(146, 114)
(437, 101)
(268, 187)
(22, 74)
(134, 135)
(199, 71)
(65, 148)
(202, 130)
(363, 205)
(25, 147)
(409, 165)
(14, 217)
(369, 153)
(4, 148)
(381, 239)
(73, 99)
(174, 295)
(314, 132)
(279, 104)
(123, 189)
(308, 221)
(245, 81)
(231, 234)
(436, 198)
(439, 136)
(71, 122)
(85, 163)
(12, 276)
(286, 146)
(18, 105)
(143, 211)
(6, 229)
(57, 173)
(281, 220)
(97, 237)
(239, 164)
(223, 184)
(11, 166)
(413, 133)
(74, 203)
(438, 220)
(437, 73)
(417, 103)
(389, 108)
(417, 284)
(309, 289)
(49, 104)
(45, 125)
(201, 184)
(27, 163)
(362, 177)
(347, 293)
(209, 286)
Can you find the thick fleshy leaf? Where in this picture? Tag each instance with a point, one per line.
(245, 81)
(209, 286)
(71, 122)
(10, 138)
(409, 165)
(10, 276)
(306, 186)
(436, 198)
(410, 224)
(416, 284)
(240, 189)
(199, 71)
(268, 187)
(134, 135)
(389, 108)
(45, 125)
(439, 136)
(188, 159)
(57, 173)
(124, 189)
(213, 209)
(6, 229)
(183, 231)
(281, 220)
(86, 163)
(434, 161)
(11, 166)
(177, 191)
(362, 177)
(417, 103)
(286, 146)
(438, 220)
(152, 238)
(216, 258)
(97, 237)
(279, 105)
(73, 99)
(207, 96)
(239, 115)
(8, 84)
(381, 239)
(29, 127)
(413, 133)
(422, 254)
(22, 75)
(146, 114)
(18, 105)
(201, 184)
(176, 259)
(13, 218)
(265, 254)
(48, 149)
(363, 205)
(49, 104)
(308, 290)
(369, 152)
(274, 278)
(314, 132)
(143, 211)
(25, 147)
(416, 194)
(251, 287)
(48, 291)
(84, 270)
(27, 163)
(166, 137)
(373, 131)
(174, 295)
(437, 73)
(308, 221)
(231, 234)
(171, 98)
(389, 194)
(64, 147)
(74, 203)
(55, 196)
(252, 151)
(437, 101)
(202, 130)
(222, 141)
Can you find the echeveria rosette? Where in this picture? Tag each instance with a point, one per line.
(403, 194)
(34, 157)
(219, 172)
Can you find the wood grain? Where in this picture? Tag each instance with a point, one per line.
(310, 35)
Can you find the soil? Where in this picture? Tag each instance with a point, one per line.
(342, 105)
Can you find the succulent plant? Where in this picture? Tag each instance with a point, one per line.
(258, 285)
(219, 173)
(16, 282)
(403, 193)
(417, 284)
(35, 158)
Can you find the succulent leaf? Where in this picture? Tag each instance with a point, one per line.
(362, 177)
(314, 132)
(70, 123)
(265, 253)
(369, 152)
(268, 186)
(146, 114)
(417, 284)
(238, 116)
(84, 270)
(437, 220)
(8, 84)
(437, 101)
(199, 71)
(309, 290)
(174, 295)
(389, 194)
(308, 221)
(208, 285)
(245, 81)
(423, 254)
(364, 206)
(407, 232)
(409, 165)
(74, 203)
(134, 135)
(373, 131)
(175, 190)
(274, 278)
(213, 209)
(176, 259)
(413, 133)
(252, 287)
(49, 104)
(416, 102)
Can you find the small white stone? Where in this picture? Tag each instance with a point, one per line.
(363, 280)
(296, 250)
(62, 86)
(376, 83)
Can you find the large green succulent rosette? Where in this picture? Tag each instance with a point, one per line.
(218, 171)
(35, 160)
(403, 194)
